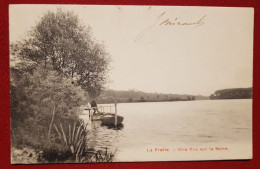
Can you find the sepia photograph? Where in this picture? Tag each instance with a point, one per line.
(124, 83)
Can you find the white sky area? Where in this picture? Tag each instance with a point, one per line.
(167, 59)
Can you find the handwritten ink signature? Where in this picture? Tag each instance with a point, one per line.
(169, 22)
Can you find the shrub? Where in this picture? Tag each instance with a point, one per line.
(56, 153)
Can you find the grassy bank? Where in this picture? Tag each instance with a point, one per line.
(67, 143)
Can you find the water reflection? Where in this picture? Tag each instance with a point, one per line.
(102, 137)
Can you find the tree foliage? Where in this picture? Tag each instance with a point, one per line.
(62, 42)
(52, 73)
(34, 96)
(235, 93)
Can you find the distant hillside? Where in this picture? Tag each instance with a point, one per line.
(139, 96)
(236, 93)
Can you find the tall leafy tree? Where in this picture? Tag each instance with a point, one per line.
(59, 40)
(50, 72)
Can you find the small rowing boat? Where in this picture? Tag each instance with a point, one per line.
(109, 119)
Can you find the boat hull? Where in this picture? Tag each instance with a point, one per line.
(109, 120)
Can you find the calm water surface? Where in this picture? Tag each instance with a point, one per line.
(173, 123)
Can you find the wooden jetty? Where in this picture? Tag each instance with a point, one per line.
(106, 114)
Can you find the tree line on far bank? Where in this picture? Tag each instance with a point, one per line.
(235, 93)
(129, 96)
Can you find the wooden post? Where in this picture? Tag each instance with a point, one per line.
(115, 113)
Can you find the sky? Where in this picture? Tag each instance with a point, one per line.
(152, 56)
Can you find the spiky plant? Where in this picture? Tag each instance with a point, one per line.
(75, 138)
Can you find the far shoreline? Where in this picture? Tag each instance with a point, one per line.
(178, 101)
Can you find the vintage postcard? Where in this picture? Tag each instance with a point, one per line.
(105, 83)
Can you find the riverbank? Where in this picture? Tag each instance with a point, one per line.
(26, 155)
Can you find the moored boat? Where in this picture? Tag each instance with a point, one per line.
(109, 119)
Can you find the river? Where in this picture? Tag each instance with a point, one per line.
(179, 130)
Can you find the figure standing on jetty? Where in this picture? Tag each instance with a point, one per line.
(94, 106)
